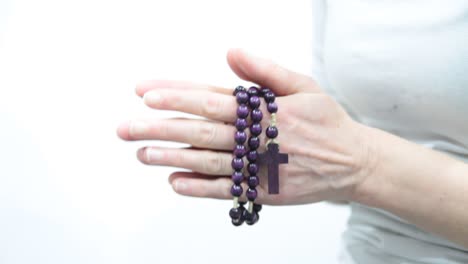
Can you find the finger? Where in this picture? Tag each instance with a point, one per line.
(199, 185)
(198, 133)
(211, 105)
(149, 85)
(202, 161)
(266, 73)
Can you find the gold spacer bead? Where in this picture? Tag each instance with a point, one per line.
(272, 141)
(235, 202)
(273, 119)
(251, 204)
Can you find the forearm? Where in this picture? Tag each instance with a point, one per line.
(425, 187)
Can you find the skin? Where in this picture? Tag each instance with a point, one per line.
(331, 156)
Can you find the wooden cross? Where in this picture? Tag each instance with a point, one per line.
(273, 158)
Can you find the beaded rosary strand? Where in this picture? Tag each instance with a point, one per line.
(249, 103)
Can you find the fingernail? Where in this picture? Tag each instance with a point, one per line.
(138, 128)
(151, 98)
(180, 185)
(153, 154)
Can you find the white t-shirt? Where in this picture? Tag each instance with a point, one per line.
(400, 66)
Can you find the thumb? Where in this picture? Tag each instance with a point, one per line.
(266, 73)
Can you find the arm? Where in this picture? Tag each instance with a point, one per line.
(425, 187)
(332, 157)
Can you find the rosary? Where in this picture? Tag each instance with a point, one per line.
(249, 103)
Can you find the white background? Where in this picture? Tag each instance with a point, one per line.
(72, 192)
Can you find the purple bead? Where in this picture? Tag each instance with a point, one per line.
(247, 215)
(252, 155)
(251, 194)
(264, 90)
(253, 219)
(254, 143)
(272, 132)
(238, 89)
(256, 129)
(240, 137)
(237, 164)
(242, 97)
(252, 168)
(254, 101)
(237, 177)
(239, 151)
(253, 181)
(238, 222)
(257, 207)
(241, 124)
(236, 190)
(269, 97)
(253, 91)
(256, 115)
(235, 213)
(242, 111)
(272, 107)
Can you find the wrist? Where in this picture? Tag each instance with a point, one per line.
(369, 182)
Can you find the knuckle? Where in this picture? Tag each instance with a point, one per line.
(211, 107)
(285, 113)
(203, 190)
(329, 106)
(214, 164)
(206, 134)
(327, 100)
(288, 115)
(162, 129)
(178, 158)
(223, 188)
(311, 106)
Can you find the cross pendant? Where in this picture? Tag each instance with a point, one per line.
(273, 158)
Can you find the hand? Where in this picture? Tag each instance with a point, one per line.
(329, 156)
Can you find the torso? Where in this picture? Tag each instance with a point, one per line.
(401, 66)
